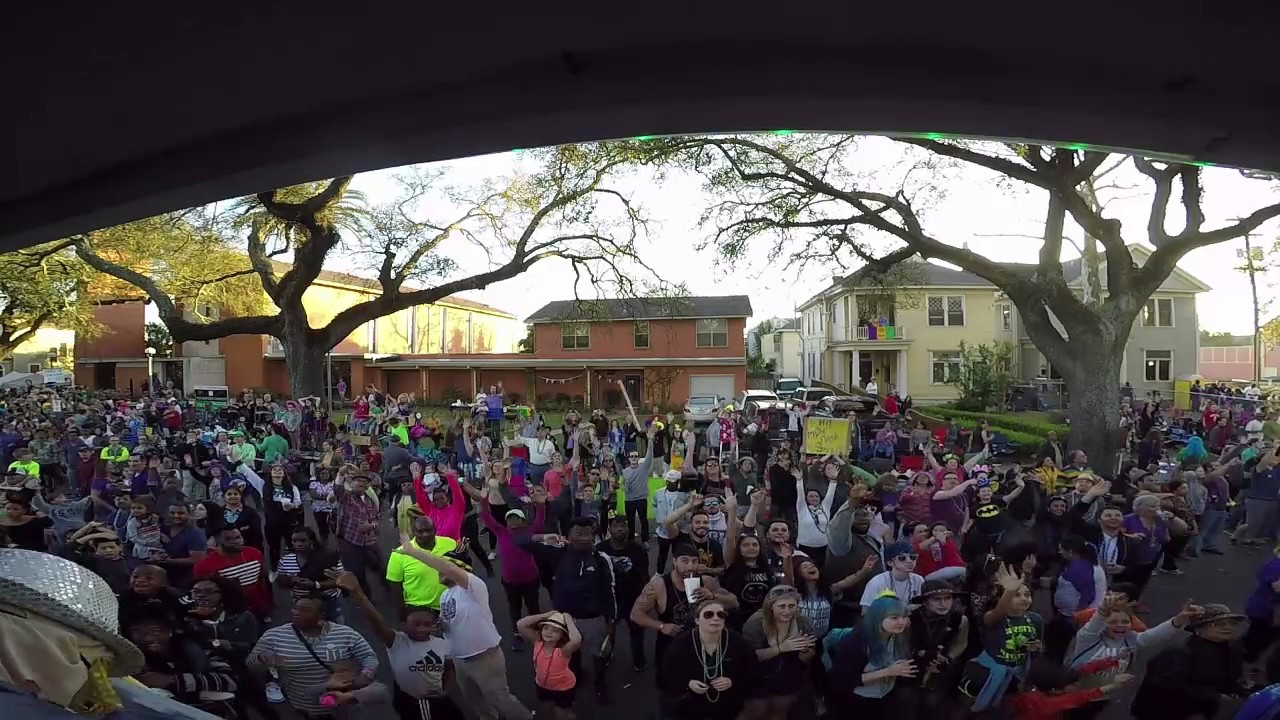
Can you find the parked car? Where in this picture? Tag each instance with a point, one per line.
(747, 396)
(842, 405)
(810, 394)
(701, 408)
(787, 385)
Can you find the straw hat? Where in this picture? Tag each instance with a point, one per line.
(69, 595)
(556, 620)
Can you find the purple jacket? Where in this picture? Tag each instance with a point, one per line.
(1146, 549)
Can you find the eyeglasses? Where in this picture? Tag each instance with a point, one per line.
(716, 614)
(908, 557)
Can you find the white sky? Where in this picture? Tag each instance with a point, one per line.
(972, 206)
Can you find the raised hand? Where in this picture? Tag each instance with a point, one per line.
(345, 580)
(1007, 579)
(1189, 612)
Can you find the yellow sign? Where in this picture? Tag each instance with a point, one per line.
(826, 436)
(1182, 394)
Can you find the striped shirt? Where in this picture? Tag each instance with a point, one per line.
(288, 565)
(247, 569)
(301, 672)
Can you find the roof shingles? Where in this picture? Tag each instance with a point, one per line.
(643, 309)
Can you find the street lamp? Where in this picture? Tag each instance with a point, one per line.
(151, 354)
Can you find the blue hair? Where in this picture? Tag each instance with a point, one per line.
(1193, 450)
(883, 651)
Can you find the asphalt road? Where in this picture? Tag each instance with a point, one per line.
(1209, 579)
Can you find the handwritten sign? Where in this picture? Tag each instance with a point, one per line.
(826, 436)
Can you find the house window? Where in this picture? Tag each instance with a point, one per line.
(1006, 317)
(713, 332)
(1158, 312)
(33, 368)
(575, 336)
(640, 334)
(1159, 364)
(944, 367)
(777, 342)
(946, 310)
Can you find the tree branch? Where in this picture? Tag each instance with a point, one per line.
(1163, 179)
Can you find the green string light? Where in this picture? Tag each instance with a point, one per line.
(933, 136)
(783, 132)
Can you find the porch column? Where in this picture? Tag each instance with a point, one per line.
(901, 383)
(587, 371)
(422, 383)
(474, 380)
(855, 368)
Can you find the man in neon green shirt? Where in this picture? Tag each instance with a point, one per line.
(414, 582)
(114, 452)
(397, 428)
(22, 461)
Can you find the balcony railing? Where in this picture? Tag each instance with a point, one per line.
(876, 333)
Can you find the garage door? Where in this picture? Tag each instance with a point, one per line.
(207, 372)
(721, 385)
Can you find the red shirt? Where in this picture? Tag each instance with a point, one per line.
(947, 556)
(247, 569)
(374, 459)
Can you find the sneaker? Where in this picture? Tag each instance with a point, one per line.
(274, 694)
(517, 644)
(1172, 571)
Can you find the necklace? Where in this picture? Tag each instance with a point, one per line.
(713, 669)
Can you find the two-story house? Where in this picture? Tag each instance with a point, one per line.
(908, 337)
(663, 349)
(782, 347)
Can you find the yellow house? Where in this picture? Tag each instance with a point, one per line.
(46, 347)
(905, 338)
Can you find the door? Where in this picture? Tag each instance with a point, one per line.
(864, 369)
(633, 383)
(721, 385)
(104, 376)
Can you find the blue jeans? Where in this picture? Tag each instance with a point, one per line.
(1211, 524)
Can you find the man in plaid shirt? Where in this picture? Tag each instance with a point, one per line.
(358, 527)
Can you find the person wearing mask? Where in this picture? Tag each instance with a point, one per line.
(583, 588)
(473, 639)
(665, 502)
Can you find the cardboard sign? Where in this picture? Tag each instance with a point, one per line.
(364, 440)
(826, 436)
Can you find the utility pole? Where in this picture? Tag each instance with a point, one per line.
(1251, 268)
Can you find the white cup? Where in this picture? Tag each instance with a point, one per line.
(691, 585)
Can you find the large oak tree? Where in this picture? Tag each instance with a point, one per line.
(805, 195)
(562, 208)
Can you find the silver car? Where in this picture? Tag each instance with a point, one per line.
(701, 408)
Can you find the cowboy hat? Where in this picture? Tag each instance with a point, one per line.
(932, 588)
(1212, 613)
(70, 595)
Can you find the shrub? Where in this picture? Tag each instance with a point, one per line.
(1028, 441)
(1039, 428)
(452, 394)
(983, 375)
(513, 398)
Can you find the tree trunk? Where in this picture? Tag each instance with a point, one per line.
(1093, 387)
(305, 361)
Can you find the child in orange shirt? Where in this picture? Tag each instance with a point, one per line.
(555, 638)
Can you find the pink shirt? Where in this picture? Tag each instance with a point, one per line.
(448, 519)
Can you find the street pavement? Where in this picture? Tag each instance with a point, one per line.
(1209, 579)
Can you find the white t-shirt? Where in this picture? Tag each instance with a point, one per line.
(904, 589)
(1253, 429)
(418, 666)
(1252, 392)
(872, 388)
(468, 620)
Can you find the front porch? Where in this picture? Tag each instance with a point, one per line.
(854, 368)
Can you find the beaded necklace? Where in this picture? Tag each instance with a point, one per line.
(710, 670)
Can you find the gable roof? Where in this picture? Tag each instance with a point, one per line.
(718, 306)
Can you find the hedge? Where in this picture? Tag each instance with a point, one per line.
(1038, 428)
(1027, 441)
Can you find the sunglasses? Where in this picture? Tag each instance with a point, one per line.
(908, 557)
(716, 614)
(633, 456)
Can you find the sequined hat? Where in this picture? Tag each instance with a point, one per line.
(69, 595)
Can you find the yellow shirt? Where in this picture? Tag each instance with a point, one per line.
(30, 467)
(421, 584)
(118, 455)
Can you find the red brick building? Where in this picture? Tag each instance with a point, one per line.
(663, 350)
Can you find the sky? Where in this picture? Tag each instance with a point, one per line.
(971, 210)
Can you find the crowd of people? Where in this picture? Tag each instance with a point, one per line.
(771, 581)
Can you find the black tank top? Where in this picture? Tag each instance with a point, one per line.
(678, 611)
